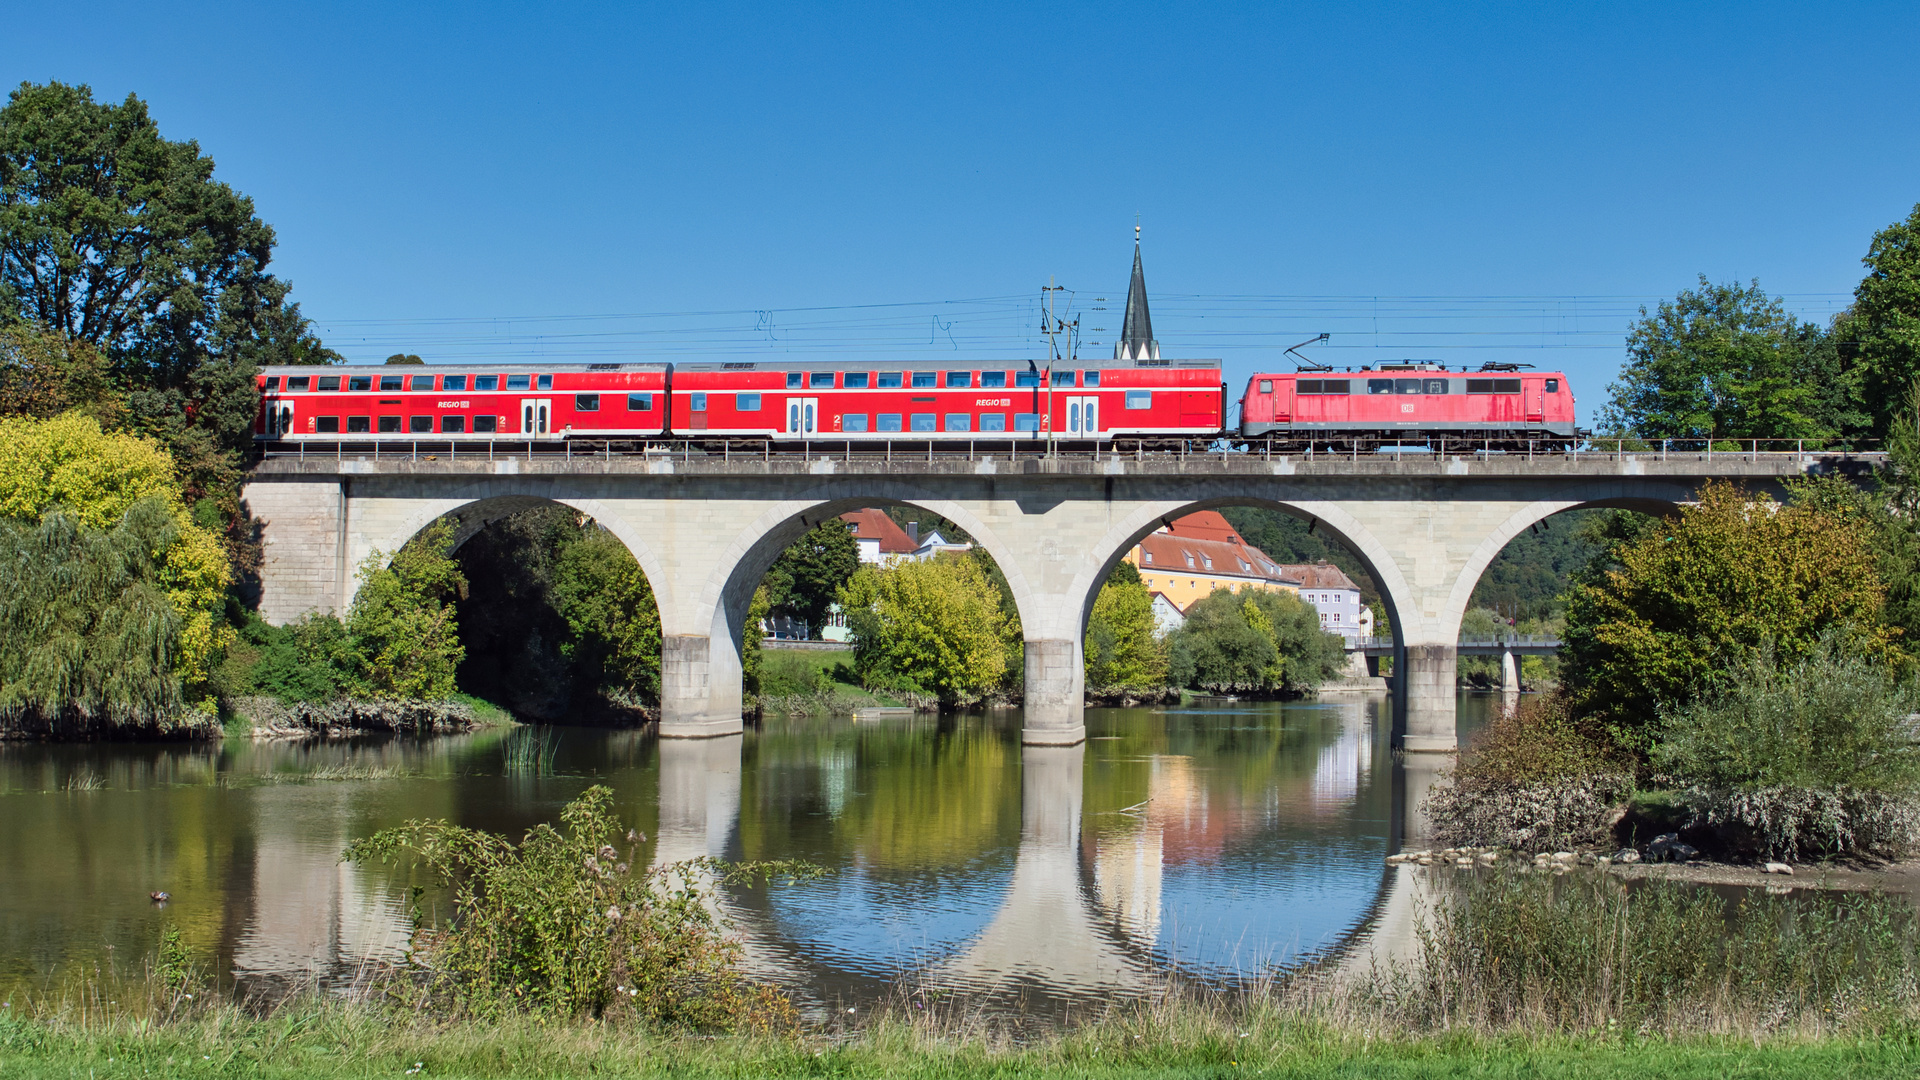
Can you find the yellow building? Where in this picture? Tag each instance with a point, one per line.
(1200, 553)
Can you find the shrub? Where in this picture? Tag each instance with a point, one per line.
(1252, 640)
(1810, 757)
(1532, 780)
(1121, 650)
(934, 625)
(564, 924)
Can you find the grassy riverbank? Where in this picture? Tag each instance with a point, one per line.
(319, 1039)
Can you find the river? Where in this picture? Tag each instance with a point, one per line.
(1215, 841)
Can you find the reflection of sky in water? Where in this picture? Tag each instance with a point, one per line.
(1242, 915)
(877, 925)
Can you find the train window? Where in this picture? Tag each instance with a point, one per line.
(326, 425)
(273, 382)
(923, 421)
(697, 402)
(420, 382)
(453, 382)
(1089, 378)
(855, 422)
(359, 424)
(1408, 386)
(820, 380)
(519, 382)
(1026, 421)
(546, 382)
(485, 425)
(392, 382)
(888, 380)
(796, 380)
(1324, 386)
(746, 402)
(959, 380)
(420, 425)
(1435, 386)
(298, 382)
(586, 403)
(1026, 378)
(359, 382)
(1553, 386)
(329, 382)
(993, 421)
(1139, 399)
(389, 424)
(453, 425)
(1266, 386)
(1379, 386)
(486, 382)
(856, 380)
(639, 402)
(1063, 378)
(1493, 386)
(887, 421)
(925, 379)
(993, 380)
(959, 421)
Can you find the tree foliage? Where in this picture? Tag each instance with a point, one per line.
(806, 579)
(402, 620)
(600, 590)
(1121, 650)
(113, 235)
(44, 373)
(1882, 329)
(1729, 362)
(933, 626)
(1677, 600)
(1252, 640)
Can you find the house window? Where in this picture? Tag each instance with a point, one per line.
(926, 379)
(359, 382)
(391, 382)
(389, 424)
(1189, 556)
(486, 382)
(855, 380)
(359, 424)
(586, 403)
(1149, 557)
(820, 380)
(485, 425)
(639, 402)
(746, 402)
(454, 383)
(1139, 399)
(453, 425)
(1208, 559)
(420, 382)
(420, 425)
(327, 425)
(888, 380)
(329, 382)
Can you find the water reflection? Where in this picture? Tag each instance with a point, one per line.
(1210, 842)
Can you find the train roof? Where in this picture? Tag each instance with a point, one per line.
(406, 369)
(725, 365)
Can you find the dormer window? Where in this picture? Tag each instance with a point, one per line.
(1148, 556)
(1208, 559)
(1189, 556)
(1245, 566)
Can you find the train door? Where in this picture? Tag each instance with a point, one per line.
(535, 415)
(279, 418)
(1536, 402)
(1083, 417)
(803, 414)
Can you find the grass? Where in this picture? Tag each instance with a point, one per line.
(813, 681)
(530, 752)
(485, 711)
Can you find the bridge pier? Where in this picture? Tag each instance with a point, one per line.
(1427, 678)
(1509, 672)
(699, 691)
(1055, 694)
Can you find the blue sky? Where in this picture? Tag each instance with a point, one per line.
(1456, 182)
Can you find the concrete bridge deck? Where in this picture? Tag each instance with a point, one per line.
(705, 527)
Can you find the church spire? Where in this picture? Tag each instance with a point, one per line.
(1136, 334)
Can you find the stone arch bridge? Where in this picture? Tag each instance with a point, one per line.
(705, 529)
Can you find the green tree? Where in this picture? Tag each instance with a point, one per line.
(404, 358)
(402, 620)
(933, 626)
(808, 575)
(43, 374)
(603, 594)
(1121, 650)
(1252, 640)
(1729, 362)
(1675, 601)
(1882, 328)
(113, 235)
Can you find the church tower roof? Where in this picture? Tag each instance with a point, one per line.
(1136, 333)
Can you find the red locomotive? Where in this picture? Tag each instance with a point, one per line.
(921, 401)
(1498, 406)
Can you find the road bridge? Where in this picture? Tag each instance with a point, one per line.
(705, 527)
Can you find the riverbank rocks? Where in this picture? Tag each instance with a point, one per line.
(275, 719)
(1626, 855)
(1777, 868)
(1668, 847)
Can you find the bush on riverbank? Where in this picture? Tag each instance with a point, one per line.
(1252, 641)
(564, 924)
(1532, 780)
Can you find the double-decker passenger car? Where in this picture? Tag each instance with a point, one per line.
(1415, 400)
(1077, 401)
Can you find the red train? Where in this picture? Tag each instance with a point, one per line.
(1089, 402)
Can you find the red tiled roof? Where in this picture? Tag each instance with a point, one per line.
(871, 524)
(1207, 535)
(1320, 575)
